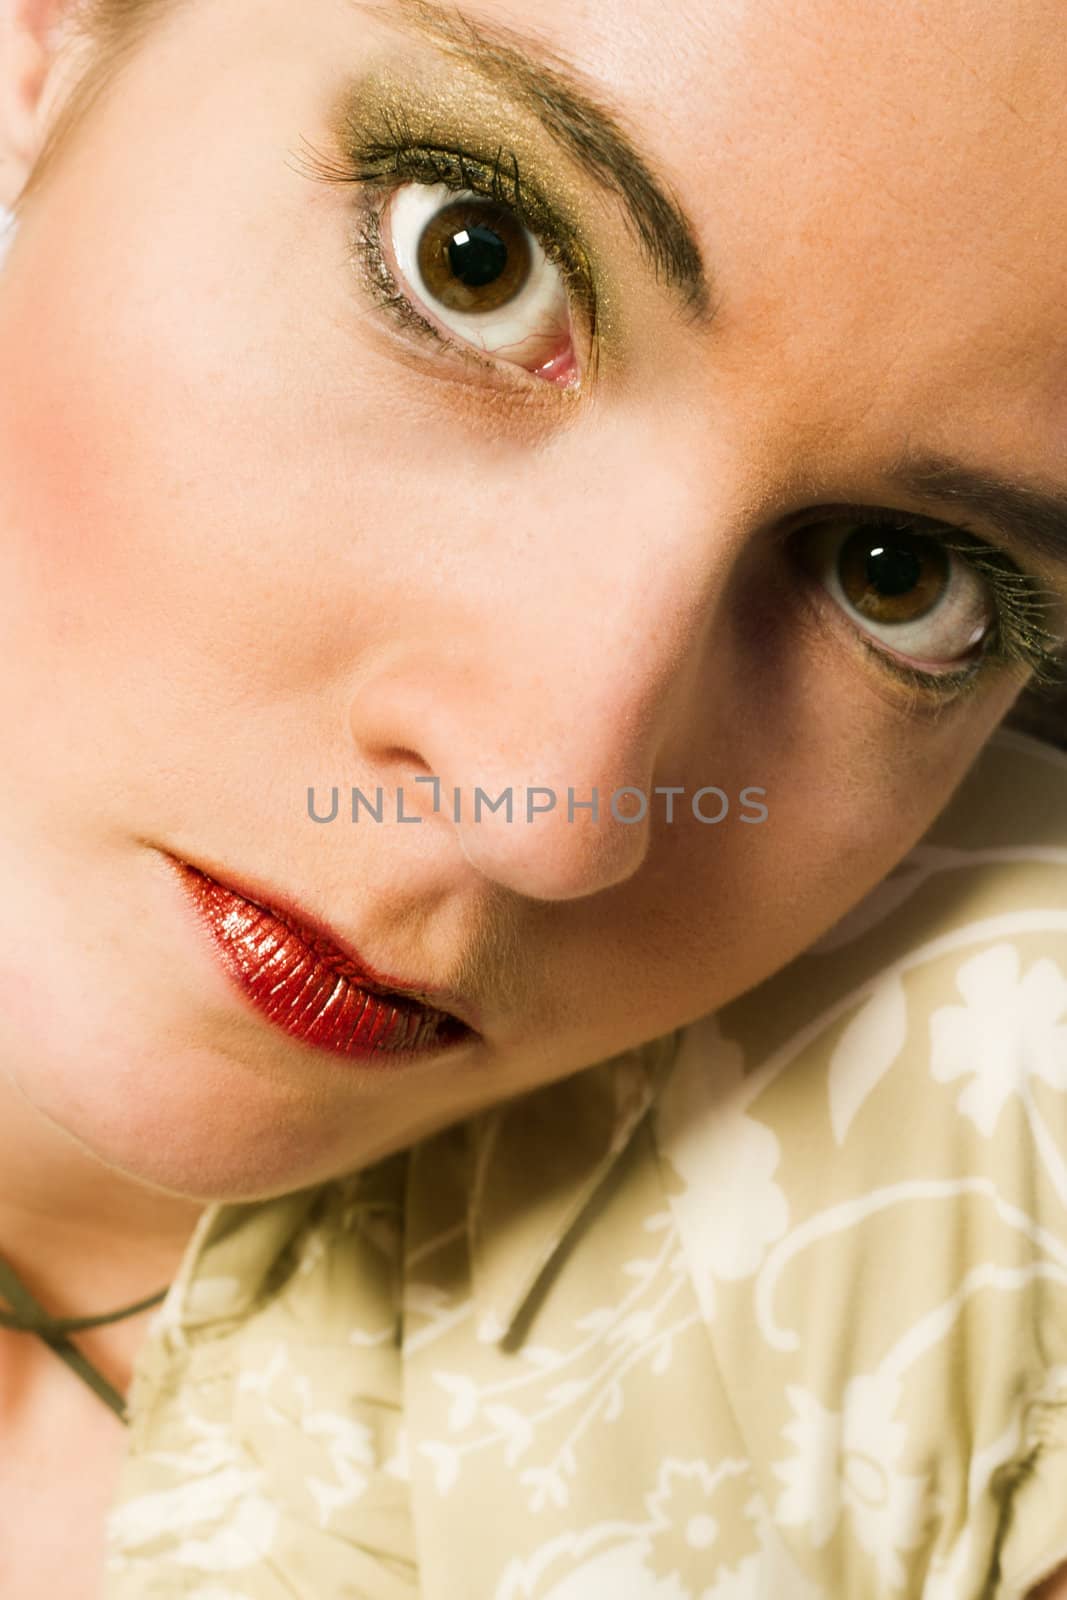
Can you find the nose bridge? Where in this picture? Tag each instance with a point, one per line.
(544, 715)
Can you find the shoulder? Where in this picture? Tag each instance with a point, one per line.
(867, 1161)
(266, 1407)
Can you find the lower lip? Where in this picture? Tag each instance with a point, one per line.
(306, 987)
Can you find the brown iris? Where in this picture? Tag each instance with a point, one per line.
(474, 256)
(892, 575)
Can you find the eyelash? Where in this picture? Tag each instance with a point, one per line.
(378, 166)
(1018, 635)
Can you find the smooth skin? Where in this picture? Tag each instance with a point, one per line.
(257, 537)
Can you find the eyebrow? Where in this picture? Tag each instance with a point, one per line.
(580, 121)
(1030, 516)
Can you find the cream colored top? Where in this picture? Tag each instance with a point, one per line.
(772, 1309)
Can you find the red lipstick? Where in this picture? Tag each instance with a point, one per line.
(304, 982)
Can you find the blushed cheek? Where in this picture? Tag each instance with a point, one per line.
(110, 573)
(131, 488)
(68, 503)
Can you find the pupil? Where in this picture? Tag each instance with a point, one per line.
(893, 570)
(477, 255)
(894, 577)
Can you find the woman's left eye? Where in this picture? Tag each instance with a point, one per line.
(469, 268)
(915, 598)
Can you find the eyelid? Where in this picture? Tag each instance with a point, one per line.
(377, 166)
(386, 289)
(1018, 638)
(930, 694)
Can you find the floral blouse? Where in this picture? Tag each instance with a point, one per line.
(774, 1308)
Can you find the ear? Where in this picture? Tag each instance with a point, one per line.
(32, 36)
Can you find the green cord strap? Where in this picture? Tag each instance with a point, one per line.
(26, 1316)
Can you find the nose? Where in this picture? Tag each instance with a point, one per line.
(546, 781)
(536, 711)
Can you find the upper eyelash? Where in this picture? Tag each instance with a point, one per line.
(1018, 637)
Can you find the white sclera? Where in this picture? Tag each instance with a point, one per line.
(535, 317)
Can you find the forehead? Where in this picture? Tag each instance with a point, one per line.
(962, 104)
(877, 192)
(861, 179)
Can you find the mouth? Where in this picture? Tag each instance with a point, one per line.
(301, 978)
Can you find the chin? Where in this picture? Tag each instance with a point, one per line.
(193, 1123)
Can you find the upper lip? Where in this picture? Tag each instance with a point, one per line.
(308, 926)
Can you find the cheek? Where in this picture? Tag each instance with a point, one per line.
(208, 472)
(188, 543)
(60, 467)
(851, 786)
(148, 459)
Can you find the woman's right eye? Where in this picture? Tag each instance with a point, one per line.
(470, 267)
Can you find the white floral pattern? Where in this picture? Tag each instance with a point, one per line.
(849, 1461)
(1010, 1029)
(732, 1205)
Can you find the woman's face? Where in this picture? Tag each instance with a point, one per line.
(260, 533)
